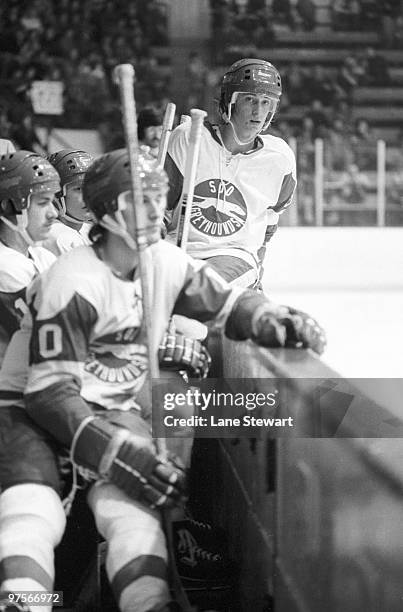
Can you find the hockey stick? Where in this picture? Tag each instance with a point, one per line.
(166, 131)
(185, 118)
(192, 158)
(124, 74)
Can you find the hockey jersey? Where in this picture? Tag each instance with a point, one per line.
(235, 196)
(62, 238)
(16, 273)
(87, 321)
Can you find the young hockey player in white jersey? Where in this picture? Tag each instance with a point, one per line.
(73, 223)
(28, 184)
(89, 364)
(244, 178)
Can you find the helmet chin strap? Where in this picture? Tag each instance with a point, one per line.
(118, 227)
(62, 209)
(20, 227)
(237, 139)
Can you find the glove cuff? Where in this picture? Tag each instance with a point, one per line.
(96, 444)
(260, 311)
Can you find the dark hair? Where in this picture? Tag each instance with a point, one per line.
(146, 118)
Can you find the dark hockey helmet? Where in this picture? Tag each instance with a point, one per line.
(249, 76)
(109, 176)
(71, 164)
(22, 174)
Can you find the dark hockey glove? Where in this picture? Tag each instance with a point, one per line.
(129, 462)
(268, 331)
(302, 330)
(177, 352)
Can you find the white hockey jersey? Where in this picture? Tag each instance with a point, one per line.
(16, 273)
(62, 238)
(235, 197)
(87, 321)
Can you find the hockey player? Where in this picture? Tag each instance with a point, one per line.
(245, 178)
(89, 364)
(73, 224)
(28, 184)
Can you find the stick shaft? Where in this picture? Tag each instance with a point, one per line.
(125, 77)
(192, 158)
(166, 130)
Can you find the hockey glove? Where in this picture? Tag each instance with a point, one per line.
(129, 462)
(302, 330)
(267, 330)
(177, 352)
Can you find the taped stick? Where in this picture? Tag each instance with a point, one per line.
(124, 75)
(192, 158)
(166, 131)
(185, 119)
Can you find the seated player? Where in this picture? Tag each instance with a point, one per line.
(28, 184)
(73, 223)
(84, 392)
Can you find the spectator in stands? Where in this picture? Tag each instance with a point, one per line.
(319, 118)
(282, 11)
(338, 152)
(306, 9)
(391, 9)
(196, 76)
(283, 130)
(377, 70)
(306, 167)
(295, 84)
(342, 110)
(149, 129)
(370, 14)
(346, 14)
(321, 85)
(25, 137)
(364, 145)
(355, 185)
(348, 78)
(398, 39)
(394, 184)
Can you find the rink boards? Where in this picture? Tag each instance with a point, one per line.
(314, 517)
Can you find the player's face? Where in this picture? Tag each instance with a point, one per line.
(149, 215)
(75, 204)
(250, 114)
(41, 215)
(152, 136)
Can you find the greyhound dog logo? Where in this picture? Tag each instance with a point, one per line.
(218, 209)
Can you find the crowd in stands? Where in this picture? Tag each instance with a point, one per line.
(77, 43)
(258, 22)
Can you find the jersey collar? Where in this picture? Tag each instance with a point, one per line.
(213, 128)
